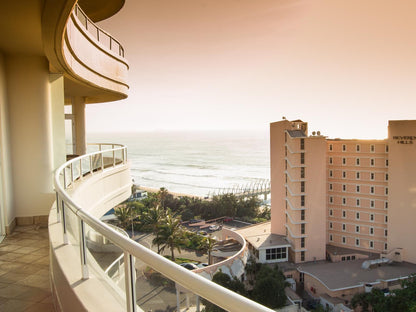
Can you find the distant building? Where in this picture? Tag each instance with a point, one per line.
(354, 194)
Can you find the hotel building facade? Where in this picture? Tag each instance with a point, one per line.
(358, 196)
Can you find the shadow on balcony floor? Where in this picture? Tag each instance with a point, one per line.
(24, 271)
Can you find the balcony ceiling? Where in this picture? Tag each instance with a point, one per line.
(98, 10)
(91, 94)
(20, 26)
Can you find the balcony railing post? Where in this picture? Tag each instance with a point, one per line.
(71, 167)
(65, 234)
(64, 173)
(83, 249)
(58, 216)
(80, 169)
(130, 282)
(102, 161)
(91, 165)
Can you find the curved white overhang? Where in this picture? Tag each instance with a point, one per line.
(92, 69)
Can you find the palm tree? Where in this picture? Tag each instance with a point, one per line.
(170, 234)
(124, 215)
(162, 195)
(152, 219)
(209, 243)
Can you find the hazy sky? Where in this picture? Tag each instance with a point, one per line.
(346, 67)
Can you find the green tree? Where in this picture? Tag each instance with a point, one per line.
(208, 245)
(170, 234)
(125, 215)
(225, 280)
(269, 288)
(162, 196)
(151, 221)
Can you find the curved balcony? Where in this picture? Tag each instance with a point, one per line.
(91, 59)
(86, 187)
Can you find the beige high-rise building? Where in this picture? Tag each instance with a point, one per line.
(354, 195)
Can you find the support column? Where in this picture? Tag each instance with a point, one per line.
(78, 110)
(31, 138)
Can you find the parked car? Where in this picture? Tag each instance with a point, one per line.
(202, 233)
(189, 266)
(202, 265)
(214, 227)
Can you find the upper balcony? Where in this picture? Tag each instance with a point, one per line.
(91, 59)
(86, 187)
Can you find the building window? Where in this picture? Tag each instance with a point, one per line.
(331, 199)
(357, 216)
(357, 161)
(387, 148)
(344, 227)
(302, 200)
(302, 158)
(371, 189)
(372, 148)
(372, 162)
(330, 186)
(357, 242)
(357, 229)
(371, 230)
(344, 160)
(385, 232)
(302, 256)
(372, 175)
(344, 187)
(330, 237)
(302, 144)
(331, 212)
(357, 175)
(302, 242)
(385, 246)
(386, 205)
(285, 150)
(358, 188)
(385, 219)
(330, 147)
(371, 203)
(344, 174)
(302, 215)
(302, 187)
(357, 147)
(386, 177)
(330, 225)
(344, 239)
(330, 173)
(330, 160)
(286, 164)
(302, 228)
(371, 244)
(358, 202)
(302, 172)
(344, 147)
(344, 201)
(344, 214)
(387, 191)
(387, 162)
(276, 253)
(372, 217)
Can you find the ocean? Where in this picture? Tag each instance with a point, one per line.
(194, 162)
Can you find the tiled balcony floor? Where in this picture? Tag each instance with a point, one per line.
(24, 271)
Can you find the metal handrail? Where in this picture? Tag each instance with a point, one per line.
(213, 292)
(97, 32)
